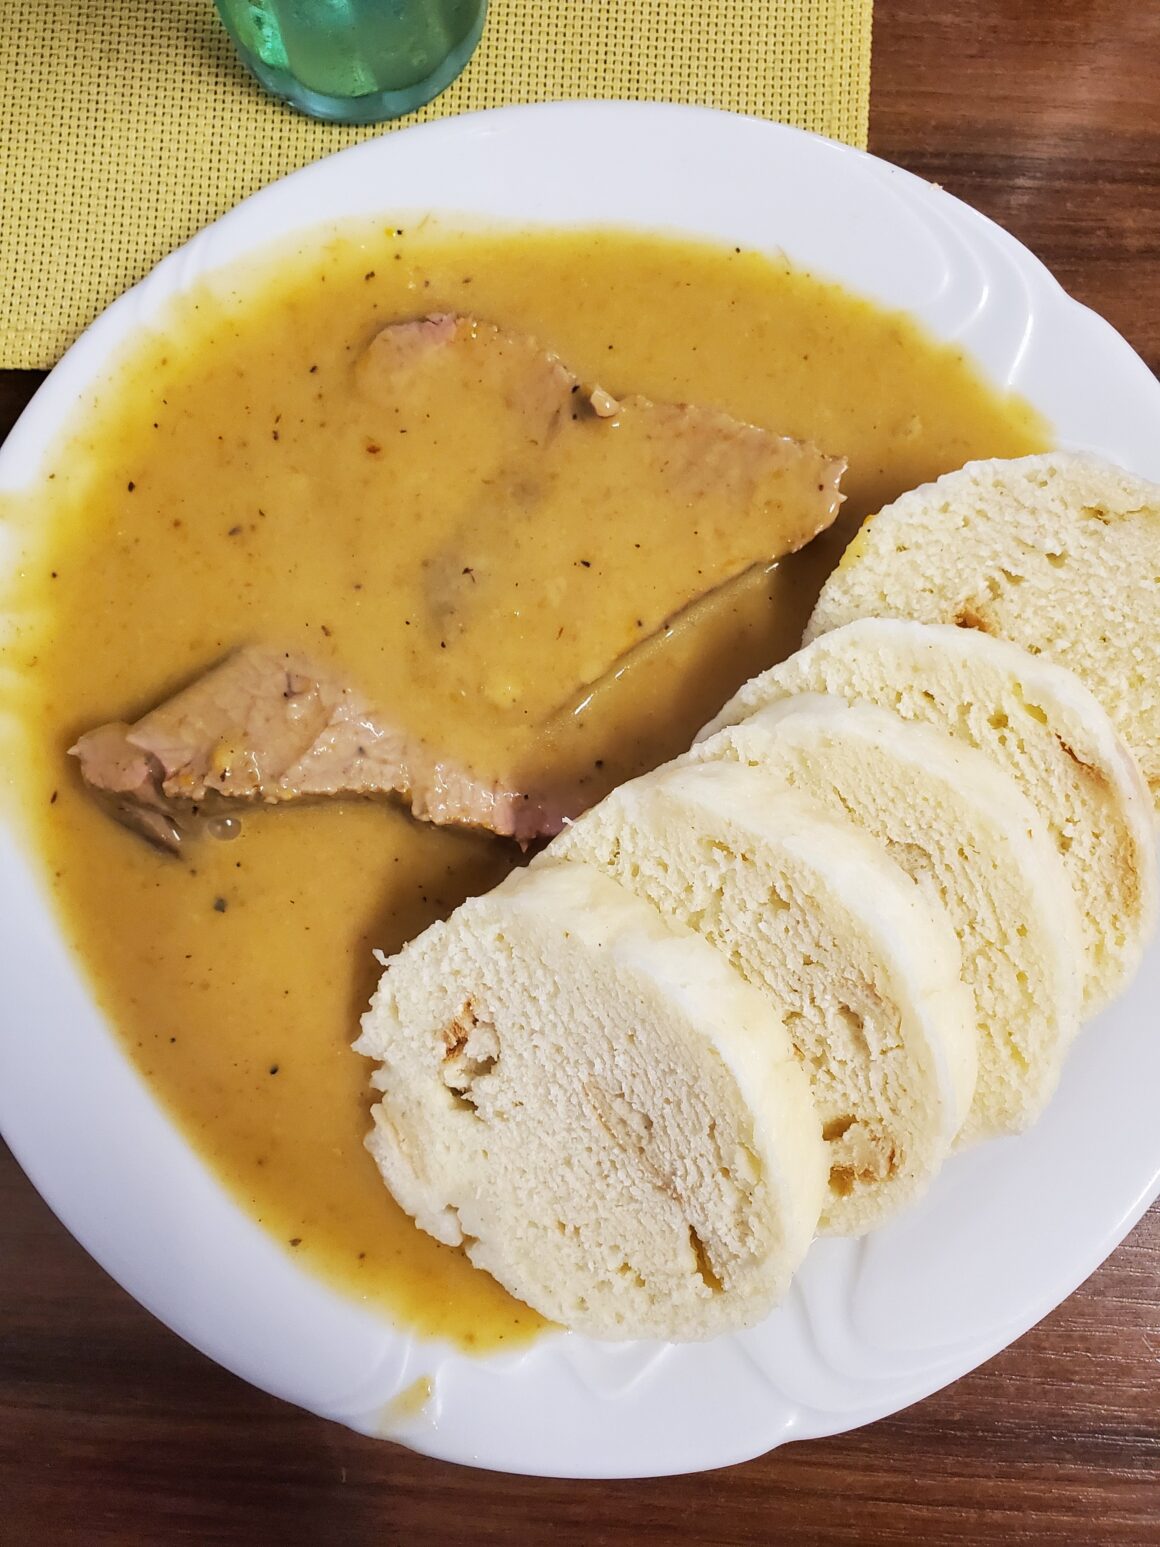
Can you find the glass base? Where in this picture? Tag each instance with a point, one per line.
(375, 106)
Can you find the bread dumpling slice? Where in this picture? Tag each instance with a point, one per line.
(863, 966)
(1040, 724)
(964, 831)
(592, 1103)
(1059, 553)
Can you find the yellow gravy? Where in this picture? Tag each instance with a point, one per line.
(220, 491)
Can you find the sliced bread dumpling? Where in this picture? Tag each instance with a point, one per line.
(597, 1108)
(1035, 720)
(862, 966)
(1059, 553)
(964, 831)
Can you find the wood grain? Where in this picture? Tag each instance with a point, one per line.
(1045, 114)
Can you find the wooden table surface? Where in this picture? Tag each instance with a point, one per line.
(1046, 115)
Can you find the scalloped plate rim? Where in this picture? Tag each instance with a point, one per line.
(84, 365)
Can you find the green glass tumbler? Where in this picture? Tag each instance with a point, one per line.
(354, 61)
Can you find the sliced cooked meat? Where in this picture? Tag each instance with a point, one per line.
(534, 383)
(576, 527)
(695, 450)
(700, 452)
(613, 513)
(268, 726)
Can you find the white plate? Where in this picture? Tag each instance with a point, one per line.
(1007, 1231)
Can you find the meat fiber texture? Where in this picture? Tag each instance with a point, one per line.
(268, 725)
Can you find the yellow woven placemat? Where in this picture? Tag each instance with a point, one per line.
(126, 125)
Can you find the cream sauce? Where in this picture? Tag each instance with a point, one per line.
(220, 491)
